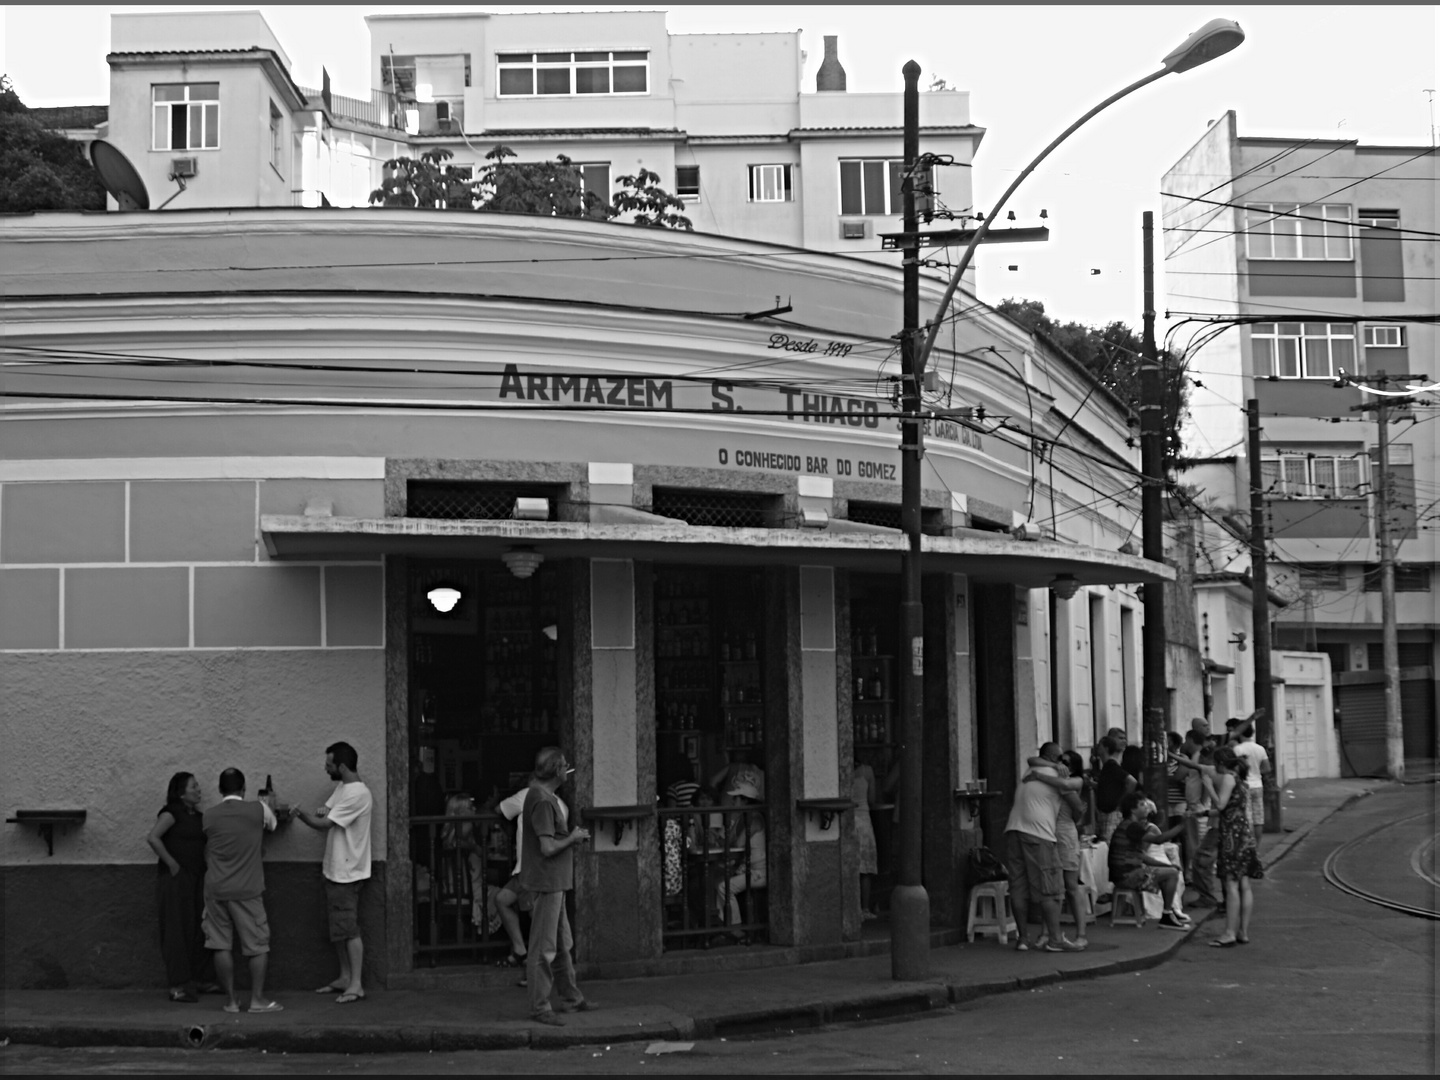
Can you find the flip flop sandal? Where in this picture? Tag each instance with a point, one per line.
(273, 1006)
(346, 999)
(329, 988)
(184, 996)
(511, 961)
(1217, 944)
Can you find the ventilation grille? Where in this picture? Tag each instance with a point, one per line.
(470, 501)
(867, 513)
(712, 508)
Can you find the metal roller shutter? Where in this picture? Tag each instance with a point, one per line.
(1362, 729)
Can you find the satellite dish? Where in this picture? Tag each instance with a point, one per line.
(119, 176)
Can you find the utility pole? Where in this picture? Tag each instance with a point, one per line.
(1260, 618)
(1152, 465)
(909, 903)
(1389, 638)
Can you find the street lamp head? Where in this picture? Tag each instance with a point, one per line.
(1216, 38)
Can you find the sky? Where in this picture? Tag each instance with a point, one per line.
(1349, 72)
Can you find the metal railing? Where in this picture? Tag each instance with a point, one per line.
(713, 876)
(380, 110)
(459, 862)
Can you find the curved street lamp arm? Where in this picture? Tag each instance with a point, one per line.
(924, 354)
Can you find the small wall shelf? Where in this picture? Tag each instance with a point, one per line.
(46, 820)
(617, 816)
(826, 808)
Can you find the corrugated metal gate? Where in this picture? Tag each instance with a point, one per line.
(1361, 705)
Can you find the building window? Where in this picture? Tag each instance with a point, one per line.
(687, 181)
(186, 116)
(872, 186)
(1298, 231)
(565, 74)
(277, 137)
(770, 183)
(1295, 350)
(1323, 578)
(1384, 337)
(1407, 579)
(1314, 476)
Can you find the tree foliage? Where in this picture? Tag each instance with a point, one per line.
(41, 169)
(1112, 355)
(548, 188)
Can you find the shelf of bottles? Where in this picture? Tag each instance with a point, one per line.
(873, 688)
(707, 657)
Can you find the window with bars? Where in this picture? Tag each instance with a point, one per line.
(567, 74)
(1314, 476)
(186, 116)
(472, 501)
(1314, 578)
(770, 183)
(868, 513)
(1295, 350)
(722, 508)
(1407, 579)
(1319, 231)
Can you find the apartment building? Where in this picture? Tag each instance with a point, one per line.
(1310, 258)
(722, 119)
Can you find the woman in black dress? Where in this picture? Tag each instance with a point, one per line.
(1238, 860)
(178, 838)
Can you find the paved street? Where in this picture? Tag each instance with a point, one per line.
(1329, 984)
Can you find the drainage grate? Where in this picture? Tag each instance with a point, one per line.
(471, 501)
(723, 508)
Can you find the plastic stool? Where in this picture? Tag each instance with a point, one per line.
(990, 912)
(1131, 900)
(1068, 915)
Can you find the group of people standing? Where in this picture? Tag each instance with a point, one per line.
(210, 882)
(1214, 807)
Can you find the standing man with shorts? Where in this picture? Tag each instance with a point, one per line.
(235, 888)
(1031, 860)
(345, 821)
(1254, 755)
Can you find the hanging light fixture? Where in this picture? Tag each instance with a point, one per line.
(1065, 586)
(443, 598)
(522, 561)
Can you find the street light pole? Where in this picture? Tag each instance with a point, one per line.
(910, 906)
(909, 903)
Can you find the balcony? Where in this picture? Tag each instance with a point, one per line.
(381, 110)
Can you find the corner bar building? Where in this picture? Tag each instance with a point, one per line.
(453, 487)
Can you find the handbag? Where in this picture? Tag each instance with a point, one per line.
(984, 866)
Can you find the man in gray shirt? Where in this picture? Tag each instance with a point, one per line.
(235, 887)
(547, 869)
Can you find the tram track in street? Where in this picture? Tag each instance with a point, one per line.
(1421, 856)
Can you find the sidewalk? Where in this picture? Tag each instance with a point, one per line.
(671, 1007)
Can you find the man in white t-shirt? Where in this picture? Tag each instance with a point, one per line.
(512, 898)
(345, 821)
(1031, 861)
(1255, 756)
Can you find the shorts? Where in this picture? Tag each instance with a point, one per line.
(1033, 868)
(223, 919)
(1256, 798)
(1142, 879)
(342, 905)
(524, 898)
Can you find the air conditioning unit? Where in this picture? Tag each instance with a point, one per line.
(442, 112)
(854, 230)
(183, 167)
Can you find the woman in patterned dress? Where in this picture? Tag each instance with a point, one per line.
(1238, 860)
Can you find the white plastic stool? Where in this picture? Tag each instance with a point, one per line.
(1132, 901)
(1066, 912)
(990, 912)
